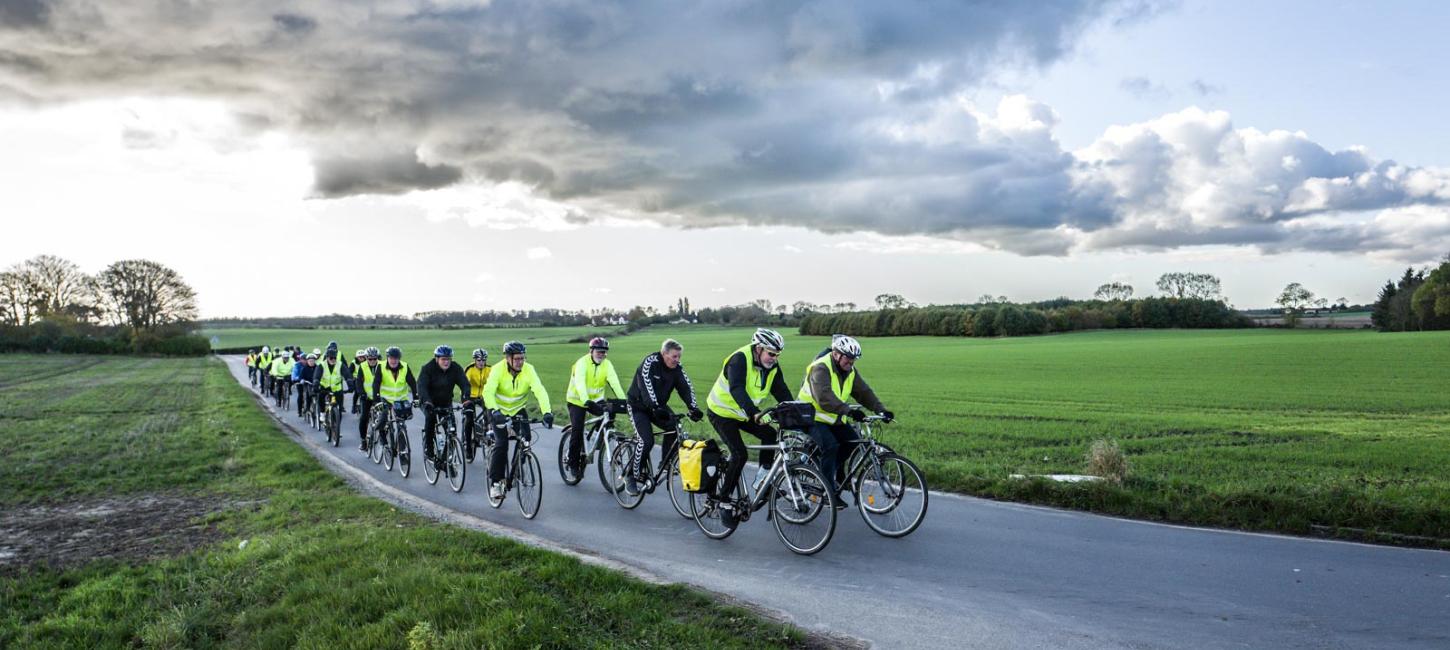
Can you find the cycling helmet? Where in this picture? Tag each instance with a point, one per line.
(443, 351)
(846, 345)
(371, 352)
(598, 343)
(395, 353)
(360, 353)
(769, 339)
(330, 354)
(513, 347)
(332, 345)
(251, 350)
(317, 352)
(312, 356)
(266, 350)
(480, 355)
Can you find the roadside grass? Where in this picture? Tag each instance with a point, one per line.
(1266, 429)
(302, 560)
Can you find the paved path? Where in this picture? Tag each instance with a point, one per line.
(985, 574)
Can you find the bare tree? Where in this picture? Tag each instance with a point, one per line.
(890, 301)
(59, 285)
(145, 295)
(1114, 291)
(1294, 299)
(17, 304)
(1203, 286)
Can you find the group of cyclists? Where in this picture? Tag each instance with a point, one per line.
(832, 386)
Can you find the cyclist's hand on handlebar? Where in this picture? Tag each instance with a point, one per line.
(760, 417)
(548, 420)
(857, 414)
(887, 416)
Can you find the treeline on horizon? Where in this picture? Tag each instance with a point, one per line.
(1418, 301)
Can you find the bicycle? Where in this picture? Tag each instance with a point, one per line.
(621, 462)
(447, 449)
(523, 470)
(600, 441)
(475, 431)
(793, 487)
(330, 415)
(282, 389)
(883, 483)
(305, 402)
(390, 441)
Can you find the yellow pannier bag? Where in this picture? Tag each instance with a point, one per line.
(699, 465)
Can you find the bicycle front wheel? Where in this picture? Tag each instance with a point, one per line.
(891, 495)
(803, 512)
(528, 478)
(456, 468)
(375, 450)
(405, 454)
(430, 458)
(489, 448)
(564, 471)
(601, 464)
(705, 510)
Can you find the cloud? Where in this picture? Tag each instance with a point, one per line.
(539, 253)
(791, 248)
(839, 117)
(1204, 89)
(1144, 88)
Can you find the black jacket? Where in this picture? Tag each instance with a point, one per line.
(735, 375)
(653, 383)
(435, 385)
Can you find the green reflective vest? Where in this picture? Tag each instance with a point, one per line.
(394, 387)
(588, 381)
(366, 372)
(723, 404)
(282, 367)
(331, 378)
(841, 389)
(509, 393)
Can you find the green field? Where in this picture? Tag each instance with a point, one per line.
(1262, 429)
(173, 513)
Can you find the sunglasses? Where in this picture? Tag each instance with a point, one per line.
(772, 354)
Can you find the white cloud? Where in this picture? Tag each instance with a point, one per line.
(791, 248)
(539, 253)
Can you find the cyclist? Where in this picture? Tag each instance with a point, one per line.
(394, 383)
(747, 377)
(358, 359)
(252, 365)
(305, 375)
(830, 380)
(436, 382)
(333, 376)
(658, 375)
(365, 373)
(477, 374)
(505, 394)
(264, 367)
(281, 371)
(591, 375)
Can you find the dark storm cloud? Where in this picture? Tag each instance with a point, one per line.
(836, 116)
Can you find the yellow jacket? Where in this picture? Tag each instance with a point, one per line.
(477, 378)
(509, 393)
(588, 381)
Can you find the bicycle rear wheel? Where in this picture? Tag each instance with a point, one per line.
(375, 448)
(563, 457)
(456, 468)
(679, 498)
(705, 510)
(891, 495)
(402, 447)
(803, 513)
(334, 423)
(529, 481)
(619, 468)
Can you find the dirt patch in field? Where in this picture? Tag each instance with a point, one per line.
(126, 528)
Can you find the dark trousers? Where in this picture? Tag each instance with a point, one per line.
(363, 417)
(577, 415)
(835, 441)
(644, 421)
(498, 464)
(729, 431)
(430, 420)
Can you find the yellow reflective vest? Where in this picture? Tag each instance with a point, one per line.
(330, 378)
(282, 367)
(723, 404)
(477, 379)
(366, 372)
(588, 381)
(842, 389)
(509, 393)
(394, 387)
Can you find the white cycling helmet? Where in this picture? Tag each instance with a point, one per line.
(846, 345)
(266, 350)
(769, 339)
(316, 352)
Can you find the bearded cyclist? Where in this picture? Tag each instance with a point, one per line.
(748, 376)
(436, 382)
(831, 383)
(592, 374)
(477, 374)
(394, 383)
(658, 375)
(366, 371)
(505, 394)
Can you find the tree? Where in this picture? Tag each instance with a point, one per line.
(1114, 291)
(1431, 301)
(17, 304)
(1205, 286)
(1380, 315)
(145, 295)
(1294, 299)
(58, 284)
(890, 301)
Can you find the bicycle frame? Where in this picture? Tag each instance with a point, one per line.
(756, 499)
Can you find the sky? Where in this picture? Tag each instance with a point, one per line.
(398, 156)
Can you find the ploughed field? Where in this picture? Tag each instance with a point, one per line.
(1324, 432)
(151, 502)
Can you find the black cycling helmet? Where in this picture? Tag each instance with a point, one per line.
(331, 353)
(598, 343)
(480, 355)
(395, 353)
(513, 347)
(251, 350)
(332, 345)
(443, 351)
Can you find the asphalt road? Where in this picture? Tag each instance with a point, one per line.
(985, 574)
